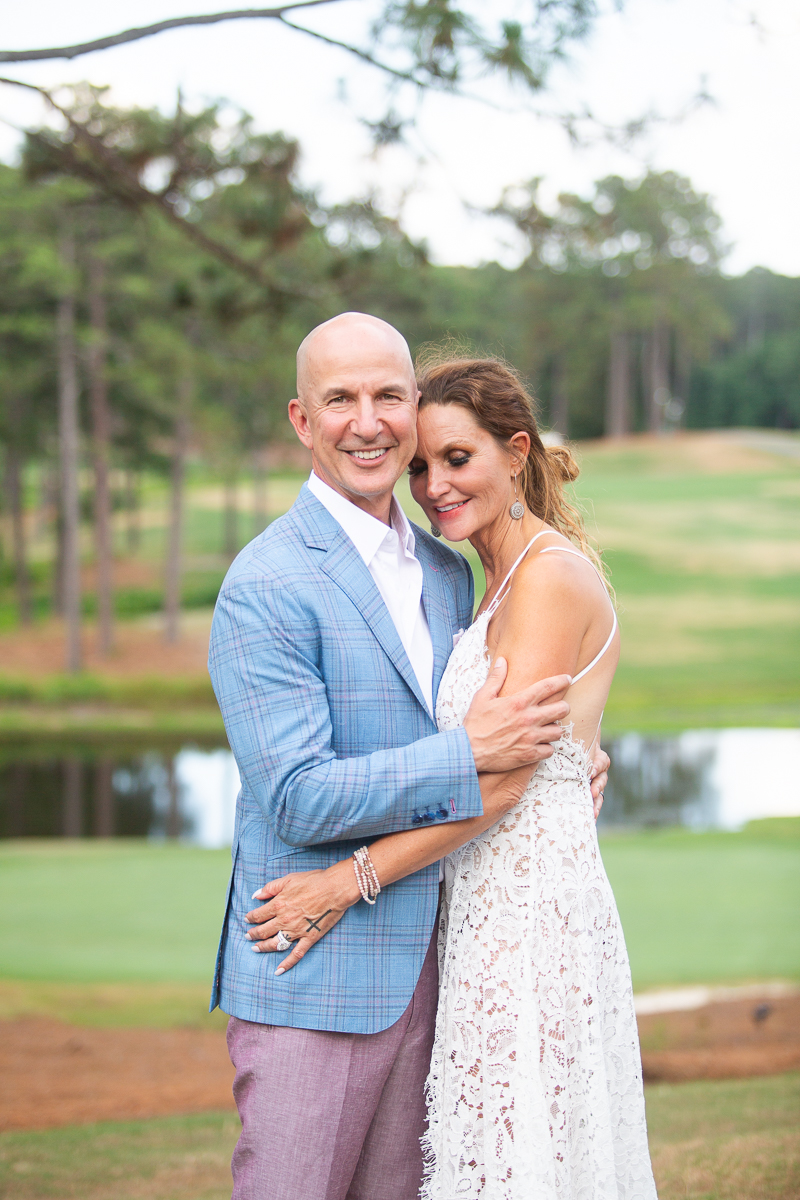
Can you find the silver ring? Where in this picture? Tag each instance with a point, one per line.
(283, 941)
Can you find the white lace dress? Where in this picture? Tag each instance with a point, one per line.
(535, 1089)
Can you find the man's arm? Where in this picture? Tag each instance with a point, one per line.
(275, 703)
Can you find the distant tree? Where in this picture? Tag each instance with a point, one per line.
(653, 246)
(30, 275)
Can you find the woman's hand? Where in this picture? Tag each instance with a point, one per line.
(303, 906)
(599, 777)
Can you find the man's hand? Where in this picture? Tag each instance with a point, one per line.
(600, 764)
(506, 732)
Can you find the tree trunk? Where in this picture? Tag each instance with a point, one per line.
(133, 531)
(58, 565)
(68, 437)
(230, 522)
(656, 363)
(172, 586)
(260, 515)
(559, 401)
(104, 798)
(683, 381)
(16, 504)
(73, 798)
(17, 786)
(618, 400)
(101, 440)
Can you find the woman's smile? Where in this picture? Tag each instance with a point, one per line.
(445, 510)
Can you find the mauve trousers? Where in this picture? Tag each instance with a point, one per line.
(333, 1116)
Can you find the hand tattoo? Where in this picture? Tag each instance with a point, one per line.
(315, 924)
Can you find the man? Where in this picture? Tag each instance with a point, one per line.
(330, 637)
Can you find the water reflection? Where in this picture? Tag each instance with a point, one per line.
(700, 779)
(704, 779)
(188, 794)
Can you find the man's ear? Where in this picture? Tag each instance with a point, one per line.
(299, 418)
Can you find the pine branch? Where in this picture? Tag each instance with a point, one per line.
(135, 35)
(120, 181)
(364, 55)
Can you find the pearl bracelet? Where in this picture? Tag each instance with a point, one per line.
(366, 875)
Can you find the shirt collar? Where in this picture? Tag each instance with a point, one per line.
(366, 532)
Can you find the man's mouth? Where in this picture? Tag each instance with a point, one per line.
(368, 455)
(448, 508)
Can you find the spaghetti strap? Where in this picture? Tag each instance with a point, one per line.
(597, 657)
(502, 589)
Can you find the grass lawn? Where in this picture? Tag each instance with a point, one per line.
(733, 1140)
(99, 911)
(710, 907)
(726, 1140)
(83, 915)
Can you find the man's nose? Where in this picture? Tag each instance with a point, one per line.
(366, 422)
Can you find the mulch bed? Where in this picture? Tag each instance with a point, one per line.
(732, 1039)
(59, 1074)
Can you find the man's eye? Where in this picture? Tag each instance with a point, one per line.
(338, 400)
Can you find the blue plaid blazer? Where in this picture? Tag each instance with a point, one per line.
(335, 746)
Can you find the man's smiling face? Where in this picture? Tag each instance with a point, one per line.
(357, 408)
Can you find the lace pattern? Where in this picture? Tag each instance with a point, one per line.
(535, 1088)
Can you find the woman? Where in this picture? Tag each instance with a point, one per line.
(535, 1086)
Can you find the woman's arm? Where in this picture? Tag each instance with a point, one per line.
(307, 904)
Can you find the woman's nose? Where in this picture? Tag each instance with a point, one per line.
(437, 484)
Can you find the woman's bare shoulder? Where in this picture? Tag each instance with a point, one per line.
(556, 583)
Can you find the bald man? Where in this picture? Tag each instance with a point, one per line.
(329, 640)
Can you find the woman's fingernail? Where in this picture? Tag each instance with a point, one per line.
(281, 971)
(256, 949)
(569, 677)
(255, 895)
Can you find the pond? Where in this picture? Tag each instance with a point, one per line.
(717, 779)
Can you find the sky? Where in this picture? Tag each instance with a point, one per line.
(742, 148)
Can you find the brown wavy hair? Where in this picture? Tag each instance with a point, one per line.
(497, 398)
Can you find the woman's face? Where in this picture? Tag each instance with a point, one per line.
(460, 476)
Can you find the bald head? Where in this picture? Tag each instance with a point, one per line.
(349, 335)
(356, 407)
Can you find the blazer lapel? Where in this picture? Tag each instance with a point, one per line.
(345, 566)
(438, 610)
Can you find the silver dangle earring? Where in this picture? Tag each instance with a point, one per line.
(436, 532)
(517, 510)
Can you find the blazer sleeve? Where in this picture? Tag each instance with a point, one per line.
(263, 664)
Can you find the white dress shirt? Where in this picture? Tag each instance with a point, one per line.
(388, 553)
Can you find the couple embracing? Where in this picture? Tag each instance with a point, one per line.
(454, 1017)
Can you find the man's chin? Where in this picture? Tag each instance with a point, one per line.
(372, 486)
(371, 481)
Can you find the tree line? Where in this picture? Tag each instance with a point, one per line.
(157, 273)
